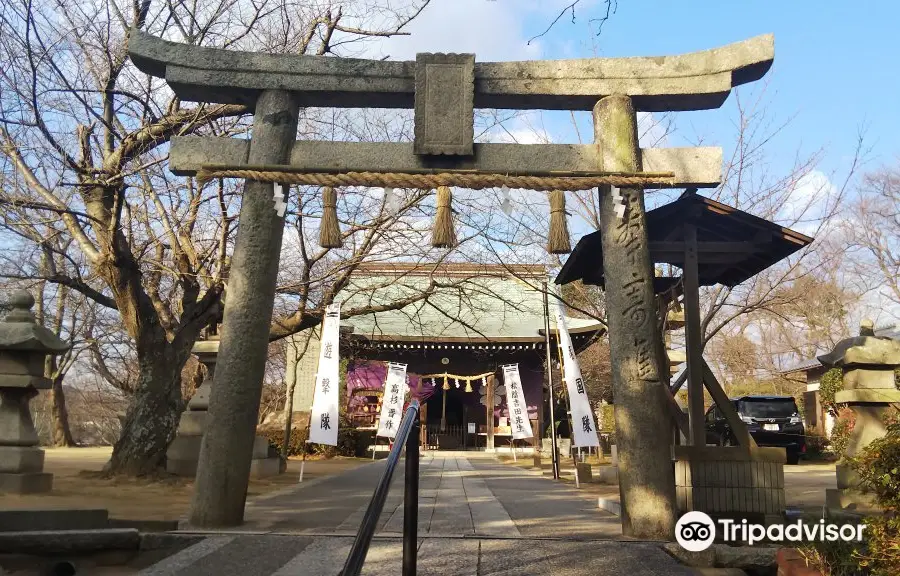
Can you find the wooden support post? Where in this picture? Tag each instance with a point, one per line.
(693, 336)
(681, 421)
(737, 425)
(223, 471)
(644, 436)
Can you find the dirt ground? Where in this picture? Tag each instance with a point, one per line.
(77, 485)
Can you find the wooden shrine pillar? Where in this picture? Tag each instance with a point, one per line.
(223, 471)
(646, 472)
(693, 336)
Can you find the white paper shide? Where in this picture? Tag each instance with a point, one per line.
(583, 426)
(515, 399)
(323, 423)
(392, 401)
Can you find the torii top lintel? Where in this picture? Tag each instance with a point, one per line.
(693, 81)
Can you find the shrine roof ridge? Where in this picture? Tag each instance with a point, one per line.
(692, 81)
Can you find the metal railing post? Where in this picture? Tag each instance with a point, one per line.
(357, 557)
(411, 501)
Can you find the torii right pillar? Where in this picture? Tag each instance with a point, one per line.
(643, 428)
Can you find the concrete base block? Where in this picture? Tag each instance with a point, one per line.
(33, 520)
(584, 472)
(21, 459)
(850, 500)
(184, 448)
(26, 483)
(184, 468)
(606, 474)
(260, 447)
(265, 467)
(611, 505)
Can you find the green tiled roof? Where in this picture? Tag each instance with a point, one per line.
(496, 307)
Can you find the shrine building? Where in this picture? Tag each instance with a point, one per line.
(454, 343)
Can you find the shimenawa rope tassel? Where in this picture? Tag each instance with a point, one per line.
(329, 231)
(443, 234)
(558, 238)
(428, 181)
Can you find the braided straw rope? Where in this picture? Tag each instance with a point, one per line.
(430, 181)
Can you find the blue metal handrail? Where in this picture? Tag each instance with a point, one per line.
(408, 435)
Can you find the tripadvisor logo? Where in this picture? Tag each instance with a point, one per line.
(695, 531)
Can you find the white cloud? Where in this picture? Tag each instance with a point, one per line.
(490, 30)
(807, 202)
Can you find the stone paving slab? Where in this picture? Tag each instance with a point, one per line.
(542, 507)
(325, 556)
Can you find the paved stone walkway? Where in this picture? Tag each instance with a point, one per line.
(476, 517)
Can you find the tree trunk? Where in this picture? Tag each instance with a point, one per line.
(153, 412)
(61, 432)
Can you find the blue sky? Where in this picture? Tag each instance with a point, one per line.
(835, 69)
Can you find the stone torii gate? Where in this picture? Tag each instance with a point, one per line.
(444, 90)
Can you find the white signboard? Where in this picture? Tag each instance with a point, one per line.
(323, 418)
(392, 402)
(471, 427)
(583, 426)
(515, 399)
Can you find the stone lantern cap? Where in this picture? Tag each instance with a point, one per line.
(863, 350)
(24, 345)
(20, 332)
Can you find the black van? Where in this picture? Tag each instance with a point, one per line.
(771, 420)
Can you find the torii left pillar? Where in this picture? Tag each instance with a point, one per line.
(223, 471)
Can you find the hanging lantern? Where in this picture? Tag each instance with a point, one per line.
(468, 385)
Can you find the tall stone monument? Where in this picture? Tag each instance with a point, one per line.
(23, 347)
(868, 364)
(444, 90)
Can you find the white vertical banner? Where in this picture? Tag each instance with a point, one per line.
(515, 399)
(392, 402)
(323, 418)
(583, 427)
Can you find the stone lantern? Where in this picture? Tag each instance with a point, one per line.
(23, 347)
(868, 364)
(184, 451)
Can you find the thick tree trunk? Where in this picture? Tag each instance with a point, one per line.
(153, 412)
(61, 433)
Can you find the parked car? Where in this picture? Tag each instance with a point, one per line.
(771, 421)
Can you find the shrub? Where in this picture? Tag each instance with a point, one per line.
(840, 434)
(878, 467)
(348, 441)
(832, 382)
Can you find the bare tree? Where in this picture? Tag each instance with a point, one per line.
(83, 140)
(871, 230)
